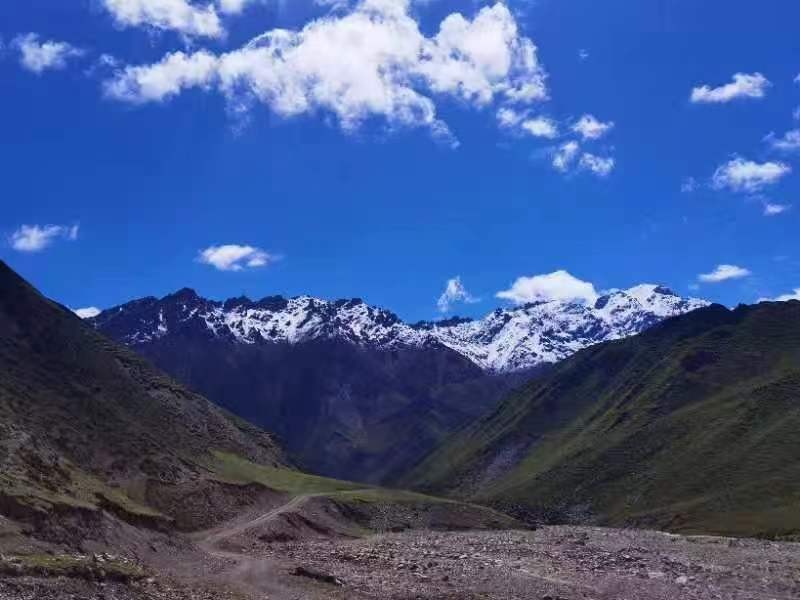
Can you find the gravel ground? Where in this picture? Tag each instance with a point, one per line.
(564, 563)
(552, 563)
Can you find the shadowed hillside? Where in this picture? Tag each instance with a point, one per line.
(85, 424)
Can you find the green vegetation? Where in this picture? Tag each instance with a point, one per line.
(693, 426)
(232, 468)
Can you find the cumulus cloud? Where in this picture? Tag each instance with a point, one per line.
(233, 257)
(590, 128)
(771, 209)
(559, 285)
(162, 80)
(88, 313)
(743, 86)
(370, 62)
(38, 56)
(540, 127)
(740, 175)
(565, 156)
(793, 295)
(35, 238)
(790, 142)
(177, 15)
(598, 165)
(724, 273)
(522, 122)
(454, 293)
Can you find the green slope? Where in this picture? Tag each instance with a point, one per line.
(693, 426)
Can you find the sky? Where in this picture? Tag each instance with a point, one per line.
(434, 157)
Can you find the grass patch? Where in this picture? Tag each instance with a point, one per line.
(231, 468)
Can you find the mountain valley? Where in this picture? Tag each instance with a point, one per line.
(340, 382)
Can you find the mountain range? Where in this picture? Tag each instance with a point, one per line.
(506, 340)
(340, 382)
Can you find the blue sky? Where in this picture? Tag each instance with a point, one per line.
(332, 185)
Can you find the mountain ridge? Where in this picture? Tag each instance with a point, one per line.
(506, 340)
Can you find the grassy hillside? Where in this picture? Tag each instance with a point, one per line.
(693, 426)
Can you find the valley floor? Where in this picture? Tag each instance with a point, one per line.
(252, 559)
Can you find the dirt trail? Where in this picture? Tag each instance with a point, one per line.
(250, 574)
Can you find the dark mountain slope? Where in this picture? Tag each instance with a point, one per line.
(85, 423)
(341, 410)
(691, 426)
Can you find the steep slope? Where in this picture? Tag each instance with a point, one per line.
(341, 382)
(86, 425)
(341, 410)
(693, 426)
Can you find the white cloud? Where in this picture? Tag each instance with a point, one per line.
(590, 128)
(688, 185)
(234, 7)
(454, 293)
(88, 312)
(565, 155)
(162, 80)
(177, 15)
(743, 86)
(770, 209)
(39, 56)
(233, 257)
(559, 285)
(370, 62)
(740, 175)
(522, 122)
(540, 127)
(508, 117)
(794, 295)
(724, 273)
(35, 238)
(796, 114)
(598, 165)
(790, 141)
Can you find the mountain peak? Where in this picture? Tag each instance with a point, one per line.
(507, 339)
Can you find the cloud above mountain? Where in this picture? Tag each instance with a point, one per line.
(558, 285)
(724, 273)
(454, 293)
(793, 295)
(35, 238)
(235, 257)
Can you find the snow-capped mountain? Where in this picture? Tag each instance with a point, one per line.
(506, 340)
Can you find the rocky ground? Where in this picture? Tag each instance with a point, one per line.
(551, 563)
